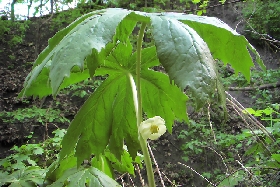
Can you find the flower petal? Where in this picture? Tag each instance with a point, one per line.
(162, 129)
(147, 128)
(154, 136)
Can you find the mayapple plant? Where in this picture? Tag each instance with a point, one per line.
(109, 128)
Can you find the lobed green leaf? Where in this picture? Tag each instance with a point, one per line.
(185, 57)
(70, 47)
(224, 42)
(30, 176)
(82, 177)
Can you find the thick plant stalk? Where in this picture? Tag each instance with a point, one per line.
(143, 142)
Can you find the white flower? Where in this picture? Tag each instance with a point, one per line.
(152, 128)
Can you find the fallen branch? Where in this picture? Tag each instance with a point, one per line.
(261, 87)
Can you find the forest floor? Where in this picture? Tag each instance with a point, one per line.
(15, 65)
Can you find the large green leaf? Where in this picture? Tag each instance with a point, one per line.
(92, 127)
(103, 164)
(125, 164)
(108, 117)
(41, 88)
(71, 46)
(55, 171)
(27, 177)
(84, 177)
(224, 42)
(162, 99)
(185, 57)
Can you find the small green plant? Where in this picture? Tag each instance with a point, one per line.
(199, 136)
(41, 154)
(193, 144)
(27, 165)
(4, 28)
(82, 89)
(12, 57)
(266, 151)
(257, 78)
(13, 33)
(33, 114)
(256, 150)
(15, 40)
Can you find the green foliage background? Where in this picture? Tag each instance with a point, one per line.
(262, 18)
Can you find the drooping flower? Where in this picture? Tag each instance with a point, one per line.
(152, 128)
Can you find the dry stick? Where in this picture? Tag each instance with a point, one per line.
(275, 176)
(130, 180)
(221, 158)
(140, 176)
(242, 167)
(261, 87)
(197, 173)
(152, 155)
(170, 180)
(253, 176)
(271, 39)
(243, 19)
(227, 176)
(209, 118)
(46, 135)
(46, 124)
(120, 176)
(56, 126)
(266, 40)
(252, 130)
(122, 182)
(252, 118)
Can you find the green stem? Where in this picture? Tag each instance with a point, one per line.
(143, 143)
(138, 72)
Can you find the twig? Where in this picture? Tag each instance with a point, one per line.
(228, 176)
(261, 87)
(221, 158)
(253, 176)
(243, 19)
(155, 162)
(235, 108)
(209, 119)
(170, 180)
(130, 180)
(140, 176)
(250, 117)
(121, 176)
(197, 173)
(122, 182)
